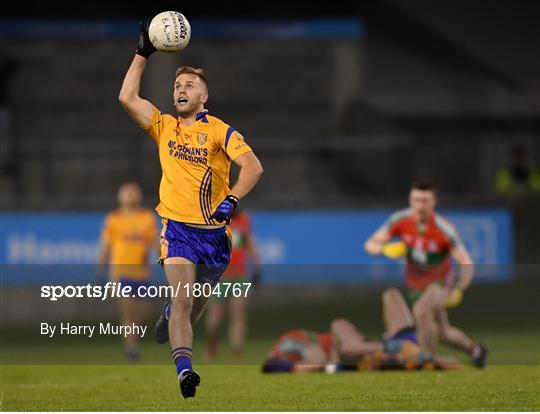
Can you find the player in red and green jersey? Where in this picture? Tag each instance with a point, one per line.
(245, 266)
(429, 241)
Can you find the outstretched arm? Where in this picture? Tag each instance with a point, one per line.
(374, 245)
(139, 109)
(466, 272)
(466, 266)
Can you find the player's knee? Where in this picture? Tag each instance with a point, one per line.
(338, 324)
(443, 335)
(433, 293)
(181, 305)
(422, 310)
(389, 294)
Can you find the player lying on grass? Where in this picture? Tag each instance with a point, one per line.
(427, 241)
(345, 348)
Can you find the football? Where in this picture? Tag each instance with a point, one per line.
(169, 31)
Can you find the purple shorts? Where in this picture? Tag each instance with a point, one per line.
(209, 249)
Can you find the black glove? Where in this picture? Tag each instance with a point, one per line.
(145, 48)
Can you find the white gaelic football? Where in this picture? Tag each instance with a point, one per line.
(169, 31)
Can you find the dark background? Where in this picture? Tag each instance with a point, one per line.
(441, 91)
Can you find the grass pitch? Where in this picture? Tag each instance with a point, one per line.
(227, 387)
(243, 388)
(39, 374)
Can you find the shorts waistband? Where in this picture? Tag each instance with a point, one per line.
(198, 229)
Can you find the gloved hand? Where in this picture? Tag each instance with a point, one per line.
(224, 211)
(145, 48)
(455, 298)
(395, 250)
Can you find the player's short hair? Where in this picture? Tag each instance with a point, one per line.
(196, 71)
(424, 186)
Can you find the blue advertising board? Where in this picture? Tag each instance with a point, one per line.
(303, 239)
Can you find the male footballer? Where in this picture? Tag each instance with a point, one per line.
(244, 252)
(196, 203)
(428, 241)
(128, 238)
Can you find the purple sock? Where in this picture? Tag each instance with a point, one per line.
(182, 359)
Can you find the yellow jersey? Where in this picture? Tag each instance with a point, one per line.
(195, 163)
(130, 237)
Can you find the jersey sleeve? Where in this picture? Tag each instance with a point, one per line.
(391, 225)
(449, 231)
(455, 239)
(233, 143)
(155, 128)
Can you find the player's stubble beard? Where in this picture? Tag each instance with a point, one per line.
(188, 112)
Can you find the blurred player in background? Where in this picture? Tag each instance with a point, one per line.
(128, 238)
(428, 240)
(345, 348)
(244, 253)
(196, 203)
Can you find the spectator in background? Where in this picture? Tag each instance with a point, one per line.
(128, 238)
(519, 185)
(519, 178)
